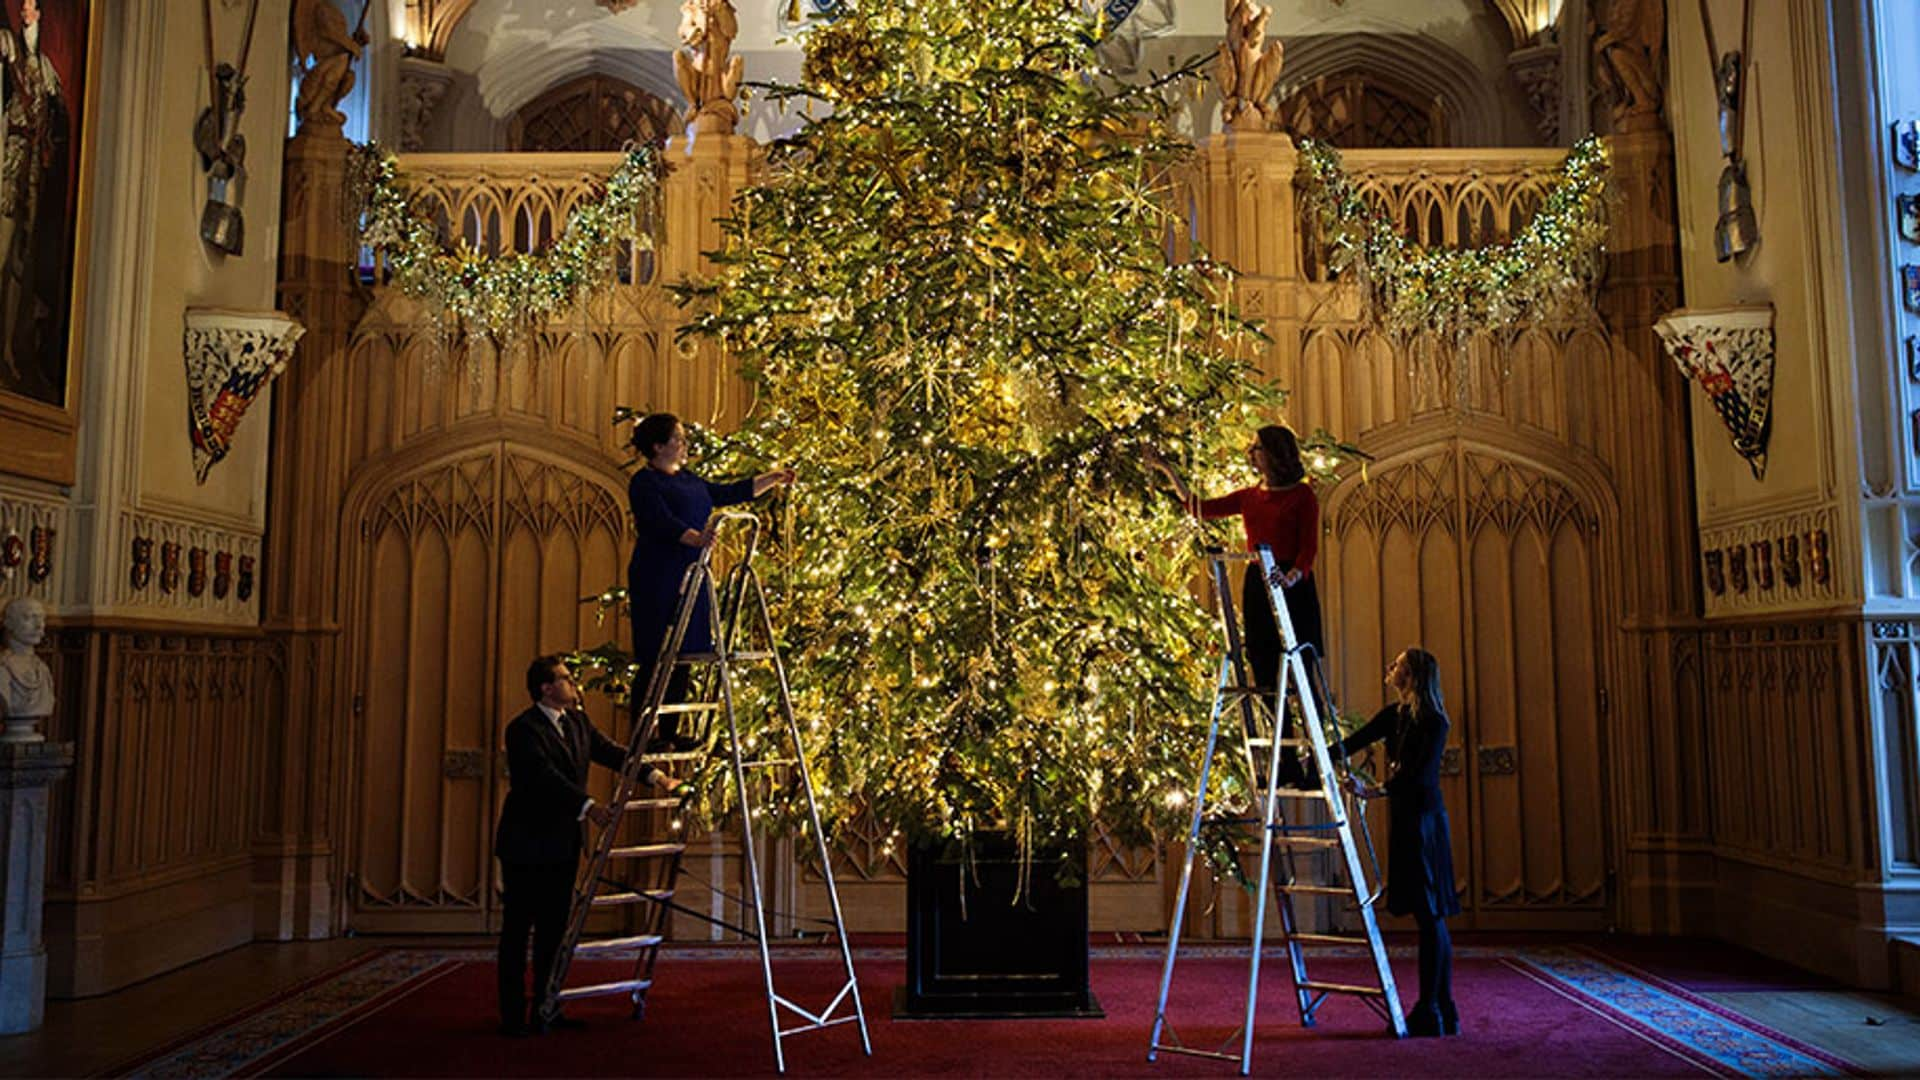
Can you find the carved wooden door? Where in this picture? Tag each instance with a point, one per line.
(467, 568)
(1491, 564)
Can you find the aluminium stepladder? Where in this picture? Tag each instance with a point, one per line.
(623, 873)
(1261, 744)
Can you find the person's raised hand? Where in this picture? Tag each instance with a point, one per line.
(600, 815)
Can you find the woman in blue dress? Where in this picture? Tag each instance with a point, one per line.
(1419, 844)
(671, 507)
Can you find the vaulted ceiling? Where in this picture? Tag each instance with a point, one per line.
(430, 24)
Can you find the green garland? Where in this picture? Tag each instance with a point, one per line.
(1542, 276)
(502, 296)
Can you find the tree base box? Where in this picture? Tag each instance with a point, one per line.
(973, 952)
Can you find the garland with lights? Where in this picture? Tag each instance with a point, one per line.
(504, 297)
(1543, 276)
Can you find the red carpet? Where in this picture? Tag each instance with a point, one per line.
(1538, 1012)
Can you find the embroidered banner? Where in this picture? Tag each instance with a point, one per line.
(230, 356)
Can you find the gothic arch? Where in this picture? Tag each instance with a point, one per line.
(508, 80)
(1492, 559)
(593, 112)
(1422, 67)
(467, 559)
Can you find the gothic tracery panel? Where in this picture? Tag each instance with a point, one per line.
(472, 566)
(1488, 563)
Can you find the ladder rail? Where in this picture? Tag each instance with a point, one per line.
(547, 1001)
(727, 598)
(755, 588)
(1316, 734)
(1186, 871)
(1294, 688)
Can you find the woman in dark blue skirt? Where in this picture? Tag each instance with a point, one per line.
(671, 507)
(1419, 846)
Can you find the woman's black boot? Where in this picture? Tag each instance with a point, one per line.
(1449, 1019)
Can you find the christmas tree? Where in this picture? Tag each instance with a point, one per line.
(958, 300)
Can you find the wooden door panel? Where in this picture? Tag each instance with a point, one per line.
(1535, 700)
(422, 639)
(474, 566)
(1487, 563)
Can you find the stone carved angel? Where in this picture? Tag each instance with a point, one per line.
(708, 73)
(320, 38)
(1626, 51)
(1247, 67)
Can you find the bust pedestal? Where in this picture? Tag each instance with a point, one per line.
(27, 770)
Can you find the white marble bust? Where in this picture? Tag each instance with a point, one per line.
(26, 686)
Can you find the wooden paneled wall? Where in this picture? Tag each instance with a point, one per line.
(153, 836)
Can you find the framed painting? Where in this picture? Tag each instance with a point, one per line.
(47, 93)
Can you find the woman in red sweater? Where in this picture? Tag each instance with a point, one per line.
(1282, 513)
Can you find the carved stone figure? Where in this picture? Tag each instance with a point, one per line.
(1626, 52)
(321, 40)
(422, 84)
(1247, 67)
(707, 71)
(26, 685)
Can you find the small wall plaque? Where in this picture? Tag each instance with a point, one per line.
(1910, 286)
(1906, 145)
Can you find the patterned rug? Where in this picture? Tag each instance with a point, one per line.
(1528, 1011)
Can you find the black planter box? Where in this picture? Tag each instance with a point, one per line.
(986, 956)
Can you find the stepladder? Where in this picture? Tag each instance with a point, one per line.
(1268, 789)
(634, 863)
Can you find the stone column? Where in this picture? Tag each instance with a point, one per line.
(27, 770)
(295, 879)
(1655, 722)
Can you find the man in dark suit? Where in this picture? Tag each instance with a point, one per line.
(550, 747)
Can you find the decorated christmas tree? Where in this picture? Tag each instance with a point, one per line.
(963, 303)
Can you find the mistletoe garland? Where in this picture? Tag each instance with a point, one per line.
(505, 296)
(1544, 275)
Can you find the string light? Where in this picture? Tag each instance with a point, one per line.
(506, 296)
(1544, 275)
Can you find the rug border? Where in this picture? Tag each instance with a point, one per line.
(336, 1025)
(1695, 999)
(128, 1065)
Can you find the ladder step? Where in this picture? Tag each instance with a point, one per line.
(598, 989)
(714, 658)
(652, 804)
(615, 899)
(675, 755)
(1305, 841)
(769, 763)
(647, 851)
(684, 707)
(1332, 939)
(1297, 744)
(1316, 890)
(1343, 988)
(638, 941)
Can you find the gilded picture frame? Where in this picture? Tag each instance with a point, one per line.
(46, 227)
